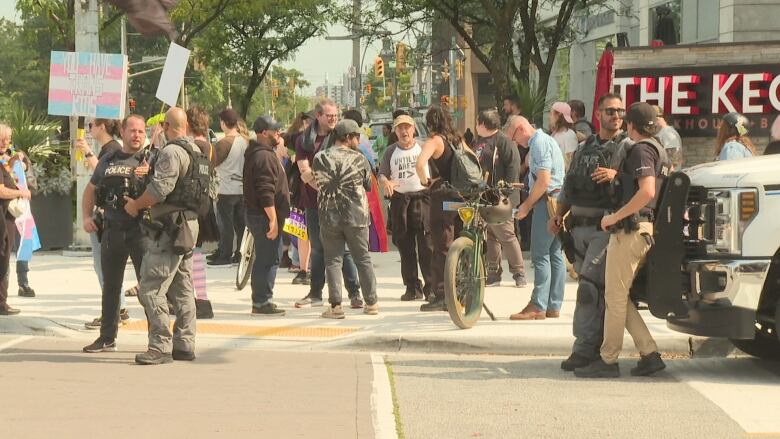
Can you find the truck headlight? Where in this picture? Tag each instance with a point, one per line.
(734, 210)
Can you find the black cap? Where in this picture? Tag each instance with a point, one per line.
(641, 114)
(265, 123)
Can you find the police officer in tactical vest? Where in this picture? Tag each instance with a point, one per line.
(637, 187)
(117, 175)
(586, 198)
(174, 194)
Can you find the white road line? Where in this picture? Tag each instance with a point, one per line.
(747, 393)
(14, 342)
(504, 371)
(382, 401)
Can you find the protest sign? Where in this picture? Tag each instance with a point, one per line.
(173, 74)
(88, 84)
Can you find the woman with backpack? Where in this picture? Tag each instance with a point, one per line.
(733, 142)
(560, 129)
(444, 225)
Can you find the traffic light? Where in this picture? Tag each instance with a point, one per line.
(369, 89)
(131, 104)
(400, 57)
(458, 69)
(445, 101)
(379, 67)
(275, 92)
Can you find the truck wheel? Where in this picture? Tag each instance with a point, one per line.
(764, 346)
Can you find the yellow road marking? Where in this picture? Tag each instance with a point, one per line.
(256, 331)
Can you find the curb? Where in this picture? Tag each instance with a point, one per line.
(499, 345)
(34, 326)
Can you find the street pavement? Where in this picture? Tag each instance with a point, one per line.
(380, 377)
(68, 295)
(531, 397)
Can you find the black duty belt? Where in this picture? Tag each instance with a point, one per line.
(585, 221)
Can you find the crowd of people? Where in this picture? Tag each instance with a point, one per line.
(156, 202)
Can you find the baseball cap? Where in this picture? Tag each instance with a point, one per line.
(265, 123)
(403, 119)
(229, 116)
(564, 109)
(347, 126)
(641, 114)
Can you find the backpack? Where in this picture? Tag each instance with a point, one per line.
(579, 187)
(192, 190)
(465, 172)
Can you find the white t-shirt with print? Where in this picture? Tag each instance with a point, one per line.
(403, 171)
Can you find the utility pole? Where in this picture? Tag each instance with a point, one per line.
(86, 21)
(356, 30)
(453, 76)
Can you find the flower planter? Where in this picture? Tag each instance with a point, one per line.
(53, 215)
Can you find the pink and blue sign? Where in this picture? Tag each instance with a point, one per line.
(88, 84)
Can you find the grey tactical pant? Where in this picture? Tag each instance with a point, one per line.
(590, 246)
(168, 276)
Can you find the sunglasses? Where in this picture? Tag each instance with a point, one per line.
(611, 111)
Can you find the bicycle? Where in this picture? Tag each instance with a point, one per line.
(246, 260)
(464, 268)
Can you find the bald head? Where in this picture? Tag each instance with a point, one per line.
(519, 130)
(175, 123)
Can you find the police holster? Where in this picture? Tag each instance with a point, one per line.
(567, 241)
(99, 220)
(181, 234)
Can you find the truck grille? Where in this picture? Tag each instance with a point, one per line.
(697, 222)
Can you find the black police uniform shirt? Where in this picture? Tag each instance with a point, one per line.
(109, 148)
(118, 158)
(642, 161)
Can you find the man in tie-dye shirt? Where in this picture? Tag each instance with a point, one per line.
(343, 175)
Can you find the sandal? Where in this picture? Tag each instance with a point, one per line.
(132, 292)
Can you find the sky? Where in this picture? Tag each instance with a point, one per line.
(316, 59)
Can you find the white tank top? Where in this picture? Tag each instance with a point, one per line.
(231, 171)
(402, 169)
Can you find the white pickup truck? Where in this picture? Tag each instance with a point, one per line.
(715, 268)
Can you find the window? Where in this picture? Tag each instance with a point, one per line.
(665, 22)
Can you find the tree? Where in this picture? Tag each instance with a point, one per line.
(250, 36)
(497, 29)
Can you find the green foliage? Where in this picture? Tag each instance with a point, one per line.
(250, 36)
(31, 132)
(532, 100)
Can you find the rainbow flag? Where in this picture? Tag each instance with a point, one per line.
(88, 84)
(25, 224)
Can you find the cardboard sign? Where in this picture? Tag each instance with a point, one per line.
(88, 84)
(173, 74)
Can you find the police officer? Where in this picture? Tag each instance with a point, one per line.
(585, 197)
(116, 175)
(637, 188)
(172, 225)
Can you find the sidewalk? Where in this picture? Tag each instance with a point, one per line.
(68, 295)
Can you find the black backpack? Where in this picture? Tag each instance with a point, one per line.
(578, 186)
(192, 189)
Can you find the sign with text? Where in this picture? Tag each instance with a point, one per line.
(173, 74)
(694, 98)
(88, 84)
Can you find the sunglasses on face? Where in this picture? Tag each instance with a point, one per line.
(611, 111)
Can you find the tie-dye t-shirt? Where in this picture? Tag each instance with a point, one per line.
(343, 176)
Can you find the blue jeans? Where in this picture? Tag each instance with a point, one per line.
(549, 268)
(268, 253)
(317, 261)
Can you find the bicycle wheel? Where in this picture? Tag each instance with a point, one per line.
(462, 291)
(246, 261)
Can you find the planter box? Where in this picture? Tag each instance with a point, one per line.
(54, 219)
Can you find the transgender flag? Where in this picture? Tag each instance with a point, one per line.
(88, 84)
(29, 241)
